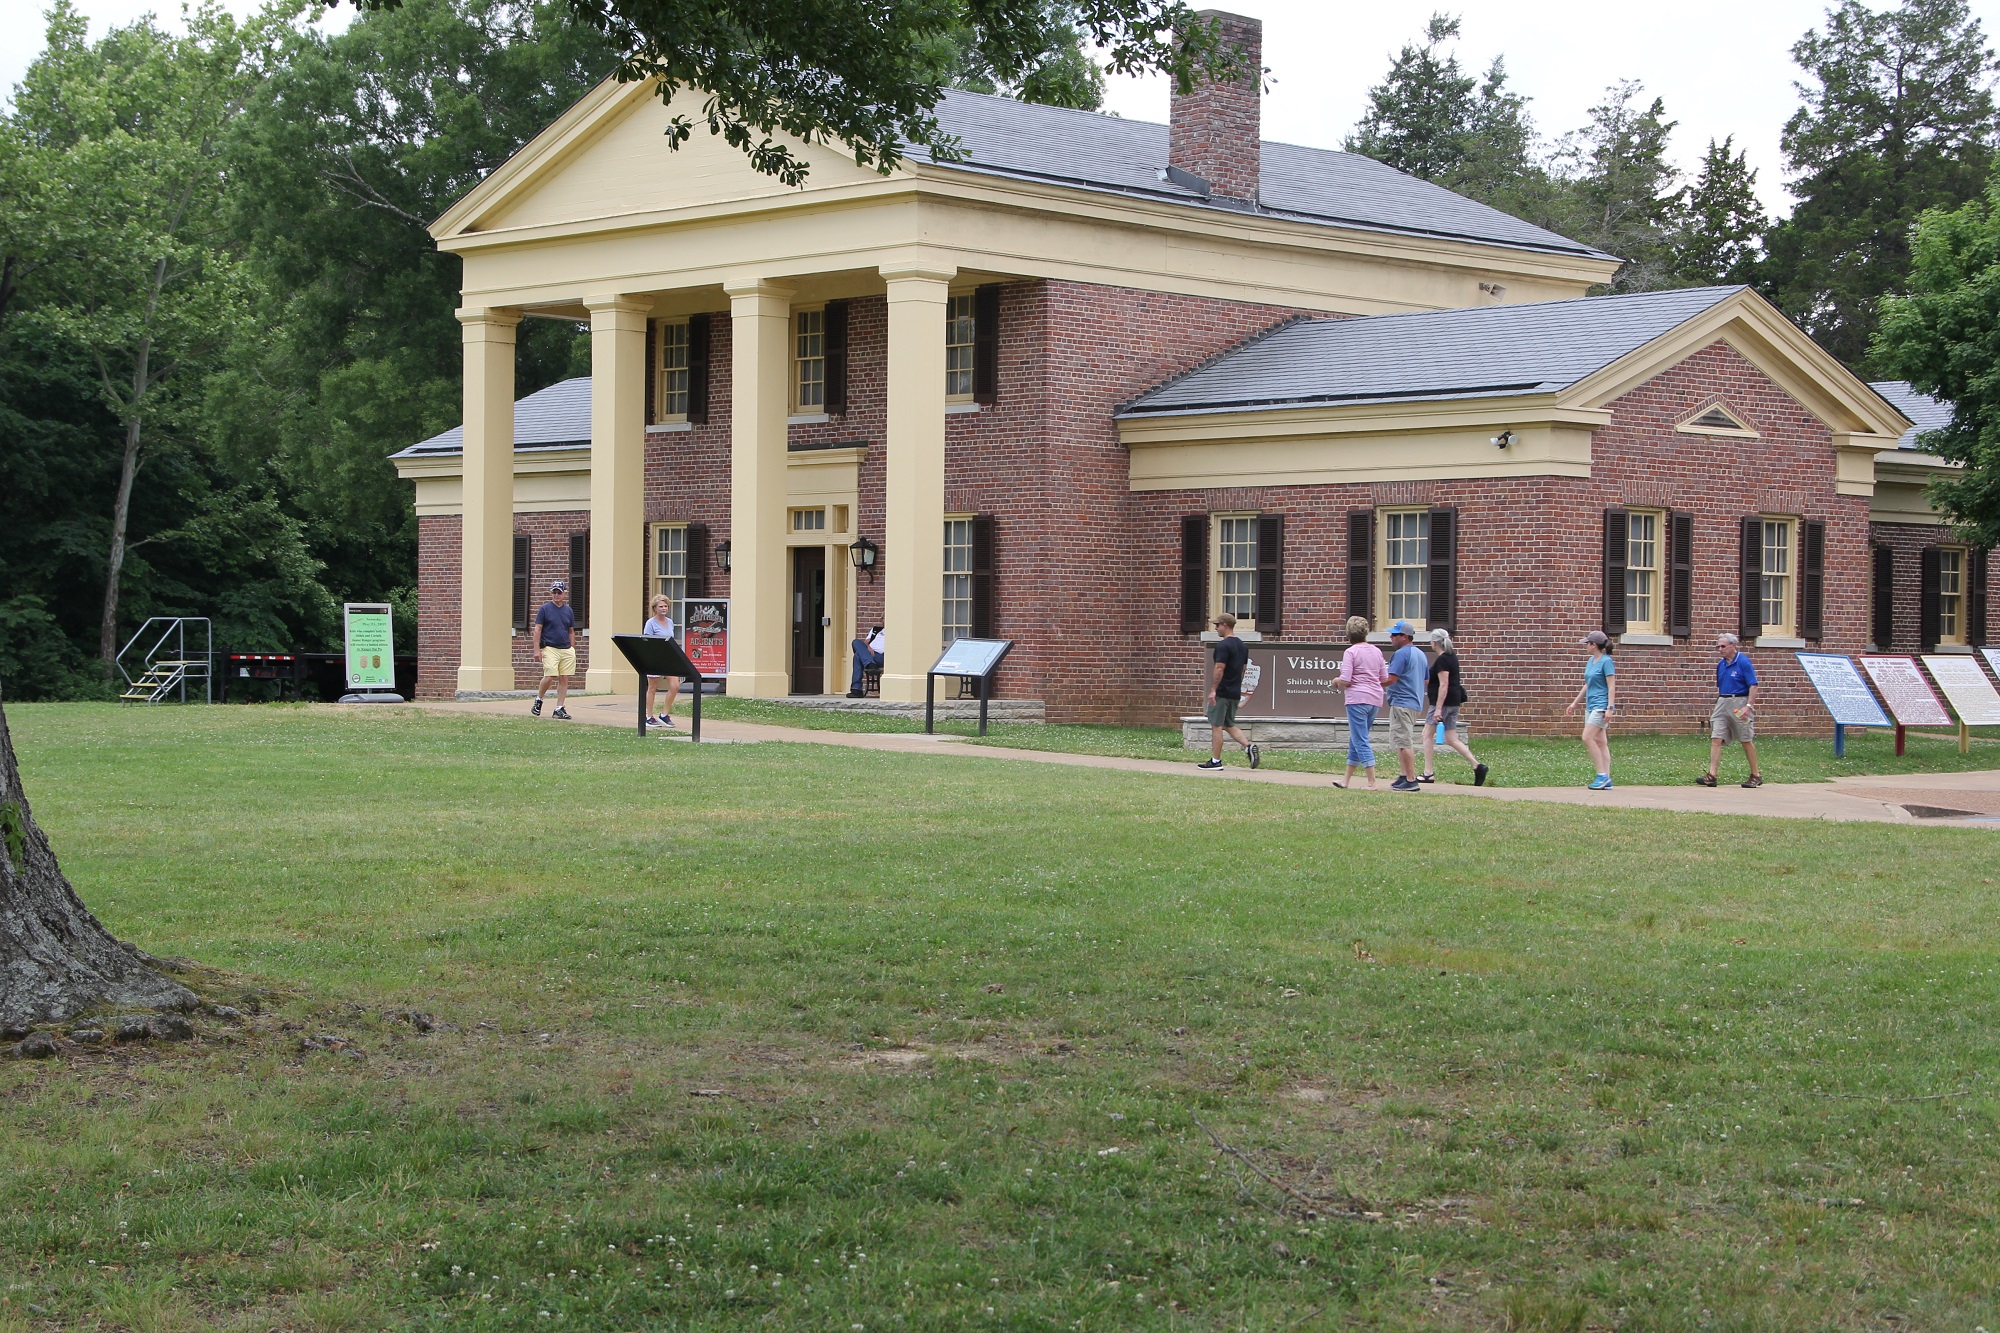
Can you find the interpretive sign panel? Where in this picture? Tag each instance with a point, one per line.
(1966, 686)
(705, 631)
(1294, 680)
(1911, 700)
(1992, 659)
(1842, 690)
(371, 651)
(661, 657)
(972, 657)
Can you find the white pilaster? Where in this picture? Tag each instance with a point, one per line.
(486, 553)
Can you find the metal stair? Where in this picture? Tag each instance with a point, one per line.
(177, 653)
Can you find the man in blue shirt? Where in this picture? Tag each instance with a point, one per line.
(1735, 714)
(554, 625)
(1403, 689)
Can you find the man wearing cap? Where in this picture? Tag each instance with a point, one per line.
(555, 627)
(1403, 687)
(1735, 715)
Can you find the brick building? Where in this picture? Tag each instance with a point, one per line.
(1103, 378)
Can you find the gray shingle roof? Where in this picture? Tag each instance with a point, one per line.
(1007, 137)
(557, 417)
(1928, 412)
(1487, 351)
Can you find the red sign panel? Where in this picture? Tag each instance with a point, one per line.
(705, 635)
(1900, 682)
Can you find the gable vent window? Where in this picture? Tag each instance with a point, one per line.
(1718, 420)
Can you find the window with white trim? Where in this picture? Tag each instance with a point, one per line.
(1233, 575)
(809, 520)
(1405, 563)
(1645, 591)
(670, 552)
(671, 398)
(809, 360)
(1951, 594)
(958, 347)
(1780, 570)
(957, 578)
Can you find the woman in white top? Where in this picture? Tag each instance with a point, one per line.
(661, 626)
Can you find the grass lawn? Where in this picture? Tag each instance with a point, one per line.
(789, 1037)
(1516, 761)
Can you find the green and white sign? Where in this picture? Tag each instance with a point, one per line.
(371, 650)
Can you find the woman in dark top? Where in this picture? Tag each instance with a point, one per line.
(1447, 692)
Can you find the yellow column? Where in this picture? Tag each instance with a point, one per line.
(617, 485)
(760, 353)
(486, 557)
(913, 532)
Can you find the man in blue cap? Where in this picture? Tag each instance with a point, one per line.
(1404, 690)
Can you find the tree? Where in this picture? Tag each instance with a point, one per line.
(1621, 190)
(1898, 117)
(1944, 337)
(1721, 223)
(56, 959)
(1062, 75)
(1430, 118)
(866, 74)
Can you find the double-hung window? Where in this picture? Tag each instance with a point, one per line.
(809, 361)
(1406, 561)
(957, 578)
(960, 336)
(1235, 572)
(1645, 594)
(1780, 569)
(1951, 595)
(670, 554)
(671, 397)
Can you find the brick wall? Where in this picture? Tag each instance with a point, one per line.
(439, 551)
(1909, 541)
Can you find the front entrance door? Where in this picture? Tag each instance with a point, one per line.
(808, 620)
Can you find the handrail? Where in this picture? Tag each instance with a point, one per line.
(173, 628)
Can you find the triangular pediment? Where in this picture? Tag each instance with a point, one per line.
(609, 157)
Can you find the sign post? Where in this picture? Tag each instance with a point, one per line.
(1969, 692)
(661, 657)
(1845, 694)
(371, 653)
(966, 657)
(1909, 696)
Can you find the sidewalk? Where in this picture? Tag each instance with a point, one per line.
(1957, 799)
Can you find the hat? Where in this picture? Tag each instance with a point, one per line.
(1403, 627)
(1596, 637)
(559, 586)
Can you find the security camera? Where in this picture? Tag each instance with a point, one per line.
(1503, 439)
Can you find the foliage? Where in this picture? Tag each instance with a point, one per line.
(1430, 118)
(1944, 337)
(1898, 117)
(1720, 223)
(1621, 193)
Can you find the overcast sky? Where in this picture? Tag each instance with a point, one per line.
(1723, 66)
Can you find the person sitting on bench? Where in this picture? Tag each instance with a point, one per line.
(867, 653)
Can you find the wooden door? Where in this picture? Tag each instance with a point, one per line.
(808, 620)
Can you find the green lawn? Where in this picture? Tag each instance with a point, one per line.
(972, 1033)
(1516, 761)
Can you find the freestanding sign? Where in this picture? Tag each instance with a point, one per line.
(1909, 696)
(661, 657)
(1992, 659)
(978, 658)
(371, 650)
(1846, 696)
(1293, 680)
(705, 635)
(1970, 693)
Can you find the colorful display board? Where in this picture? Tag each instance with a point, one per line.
(1966, 687)
(705, 635)
(1909, 696)
(371, 648)
(1843, 691)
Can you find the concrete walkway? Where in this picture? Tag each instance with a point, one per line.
(1957, 799)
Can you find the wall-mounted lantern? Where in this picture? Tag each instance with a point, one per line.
(864, 553)
(722, 557)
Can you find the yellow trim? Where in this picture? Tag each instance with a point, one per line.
(1957, 637)
(659, 370)
(798, 336)
(1382, 617)
(1655, 623)
(1788, 628)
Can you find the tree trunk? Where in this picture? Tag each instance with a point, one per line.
(56, 960)
(121, 512)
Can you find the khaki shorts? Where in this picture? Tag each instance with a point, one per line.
(1724, 725)
(558, 661)
(1406, 728)
(1222, 713)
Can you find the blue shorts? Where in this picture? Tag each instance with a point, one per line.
(1360, 720)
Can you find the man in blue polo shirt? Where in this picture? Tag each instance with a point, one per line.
(1735, 714)
(1404, 689)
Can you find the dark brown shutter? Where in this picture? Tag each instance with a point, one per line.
(1680, 575)
(982, 576)
(1750, 582)
(1441, 600)
(523, 550)
(1617, 538)
(1883, 598)
(1361, 563)
(1812, 578)
(836, 357)
(986, 343)
(1975, 598)
(697, 413)
(1932, 567)
(697, 560)
(579, 577)
(652, 371)
(1194, 573)
(1269, 609)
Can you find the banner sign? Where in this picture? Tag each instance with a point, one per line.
(705, 635)
(371, 656)
(1293, 680)
(1911, 700)
(1843, 691)
(1966, 686)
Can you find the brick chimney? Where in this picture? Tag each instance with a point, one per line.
(1215, 132)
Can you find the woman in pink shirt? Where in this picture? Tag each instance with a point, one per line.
(1361, 669)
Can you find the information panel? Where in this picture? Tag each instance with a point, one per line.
(371, 655)
(972, 657)
(705, 635)
(1843, 691)
(1966, 686)
(1911, 700)
(1992, 659)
